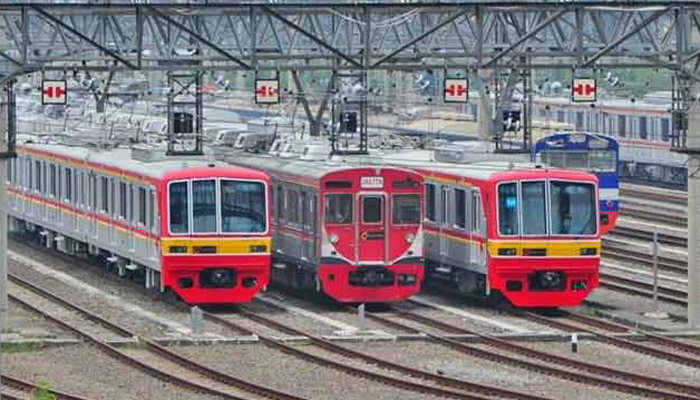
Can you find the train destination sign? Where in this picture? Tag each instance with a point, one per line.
(372, 182)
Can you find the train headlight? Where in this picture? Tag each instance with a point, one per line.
(334, 238)
(410, 237)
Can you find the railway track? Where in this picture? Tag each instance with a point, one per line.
(633, 286)
(214, 383)
(470, 390)
(666, 217)
(647, 235)
(611, 250)
(24, 387)
(664, 196)
(541, 362)
(587, 322)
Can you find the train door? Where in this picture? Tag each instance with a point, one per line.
(443, 223)
(372, 228)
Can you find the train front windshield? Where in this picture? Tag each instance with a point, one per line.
(593, 160)
(524, 209)
(240, 205)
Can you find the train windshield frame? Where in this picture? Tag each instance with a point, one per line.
(547, 208)
(592, 160)
(217, 206)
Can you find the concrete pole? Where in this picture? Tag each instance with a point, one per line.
(485, 123)
(693, 144)
(4, 99)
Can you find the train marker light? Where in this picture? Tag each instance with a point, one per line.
(583, 90)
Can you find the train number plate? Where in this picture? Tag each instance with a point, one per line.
(372, 182)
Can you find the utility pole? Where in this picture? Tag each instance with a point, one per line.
(693, 150)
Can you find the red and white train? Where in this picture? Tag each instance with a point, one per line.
(529, 233)
(352, 232)
(199, 229)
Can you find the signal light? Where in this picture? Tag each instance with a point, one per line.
(507, 251)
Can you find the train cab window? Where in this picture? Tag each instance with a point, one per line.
(460, 208)
(372, 209)
(534, 208)
(339, 209)
(573, 208)
(430, 213)
(406, 209)
(602, 160)
(508, 223)
(204, 206)
(179, 222)
(142, 206)
(576, 160)
(243, 207)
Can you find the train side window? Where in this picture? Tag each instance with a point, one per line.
(131, 212)
(122, 200)
(53, 184)
(621, 125)
(477, 215)
(443, 204)
(104, 190)
(142, 206)
(113, 197)
(338, 209)
(304, 210)
(179, 204)
(92, 187)
(665, 129)
(430, 202)
(313, 206)
(8, 172)
(293, 206)
(280, 203)
(153, 211)
(69, 184)
(460, 208)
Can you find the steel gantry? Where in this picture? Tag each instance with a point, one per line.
(471, 35)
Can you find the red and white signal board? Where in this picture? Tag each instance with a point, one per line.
(267, 91)
(583, 90)
(53, 92)
(456, 90)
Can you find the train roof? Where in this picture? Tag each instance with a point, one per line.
(122, 159)
(314, 169)
(481, 170)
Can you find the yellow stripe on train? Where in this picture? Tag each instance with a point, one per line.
(544, 248)
(200, 246)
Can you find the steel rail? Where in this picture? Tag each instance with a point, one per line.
(151, 346)
(391, 381)
(602, 380)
